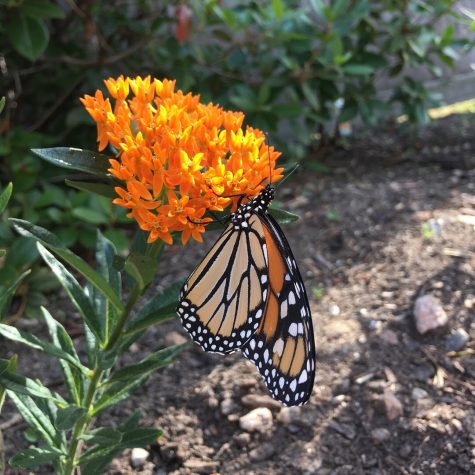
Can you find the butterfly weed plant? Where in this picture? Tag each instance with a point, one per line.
(175, 160)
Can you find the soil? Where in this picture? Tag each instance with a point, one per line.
(384, 225)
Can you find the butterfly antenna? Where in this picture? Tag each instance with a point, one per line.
(287, 175)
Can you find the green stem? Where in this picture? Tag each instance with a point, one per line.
(83, 423)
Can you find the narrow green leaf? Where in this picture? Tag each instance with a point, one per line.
(5, 196)
(97, 459)
(149, 364)
(41, 9)
(76, 293)
(103, 436)
(105, 257)
(7, 294)
(20, 384)
(2, 103)
(5, 365)
(50, 241)
(35, 417)
(67, 417)
(96, 188)
(29, 36)
(76, 159)
(140, 437)
(20, 336)
(159, 308)
(89, 215)
(282, 216)
(34, 457)
(278, 8)
(61, 339)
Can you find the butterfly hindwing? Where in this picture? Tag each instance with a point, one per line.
(283, 347)
(223, 300)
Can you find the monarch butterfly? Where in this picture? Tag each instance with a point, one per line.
(248, 294)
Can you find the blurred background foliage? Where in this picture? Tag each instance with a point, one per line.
(296, 68)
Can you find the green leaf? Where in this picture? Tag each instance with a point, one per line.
(127, 380)
(141, 267)
(35, 417)
(5, 365)
(61, 339)
(311, 96)
(76, 159)
(160, 307)
(67, 417)
(100, 189)
(140, 437)
(41, 9)
(29, 36)
(278, 8)
(20, 336)
(89, 215)
(21, 385)
(76, 293)
(34, 457)
(7, 294)
(2, 103)
(282, 216)
(357, 69)
(50, 241)
(105, 258)
(149, 364)
(103, 436)
(5, 196)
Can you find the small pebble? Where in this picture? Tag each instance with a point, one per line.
(419, 393)
(289, 415)
(334, 310)
(174, 338)
(429, 314)
(346, 430)
(390, 337)
(393, 406)
(138, 457)
(243, 439)
(380, 435)
(456, 341)
(258, 420)
(262, 452)
(227, 406)
(260, 400)
(405, 450)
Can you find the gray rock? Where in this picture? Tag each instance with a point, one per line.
(258, 420)
(419, 393)
(380, 435)
(392, 405)
(227, 406)
(456, 341)
(262, 452)
(138, 457)
(243, 439)
(289, 415)
(346, 430)
(429, 314)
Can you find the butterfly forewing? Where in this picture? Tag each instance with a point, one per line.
(283, 347)
(223, 300)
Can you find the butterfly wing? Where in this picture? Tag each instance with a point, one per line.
(283, 347)
(223, 300)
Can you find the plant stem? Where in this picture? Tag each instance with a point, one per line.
(83, 423)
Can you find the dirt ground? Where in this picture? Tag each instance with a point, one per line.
(386, 224)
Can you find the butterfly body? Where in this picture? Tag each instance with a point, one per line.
(248, 294)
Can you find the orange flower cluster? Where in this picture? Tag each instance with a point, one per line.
(178, 158)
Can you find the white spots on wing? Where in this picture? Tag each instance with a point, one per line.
(281, 382)
(300, 328)
(252, 344)
(259, 314)
(192, 319)
(263, 278)
(265, 356)
(243, 334)
(283, 309)
(293, 329)
(293, 385)
(260, 344)
(278, 347)
(303, 377)
(287, 277)
(291, 298)
(185, 303)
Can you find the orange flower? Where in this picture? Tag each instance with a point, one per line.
(177, 157)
